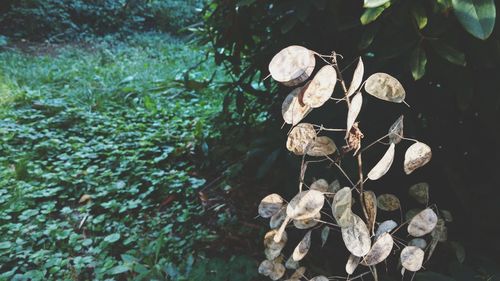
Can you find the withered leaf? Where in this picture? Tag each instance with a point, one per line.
(266, 267)
(299, 138)
(321, 87)
(305, 205)
(278, 218)
(356, 237)
(420, 192)
(418, 242)
(386, 226)
(423, 223)
(270, 205)
(292, 110)
(416, 156)
(325, 232)
(357, 78)
(292, 65)
(303, 247)
(320, 185)
(383, 166)
(307, 223)
(379, 251)
(352, 264)
(412, 258)
(321, 146)
(388, 202)
(341, 207)
(354, 109)
(319, 278)
(396, 131)
(277, 272)
(385, 87)
(370, 203)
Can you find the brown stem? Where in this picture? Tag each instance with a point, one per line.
(360, 161)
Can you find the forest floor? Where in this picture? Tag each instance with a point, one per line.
(103, 148)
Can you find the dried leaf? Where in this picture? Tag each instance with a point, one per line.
(418, 242)
(319, 278)
(353, 139)
(388, 202)
(270, 205)
(383, 166)
(271, 254)
(277, 272)
(278, 218)
(307, 223)
(292, 110)
(305, 205)
(334, 186)
(396, 131)
(412, 213)
(299, 273)
(84, 198)
(354, 109)
(357, 78)
(356, 237)
(420, 192)
(412, 258)
(370, 203)
(302, 248)
(341, 207)
(292, 65)
(447, 216)
(352, 264)
(291, 264)
(325, 232)
(320, 185)
(385, 87)
(321, 146)
(321, 88)
(270, 243)
(423, 223)
(281, 229)
(266, 267)
(386, 226)
(416, 156)
(379, 251)
(299, 138)
(440, 231)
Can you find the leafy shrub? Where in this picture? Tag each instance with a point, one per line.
(57, 20)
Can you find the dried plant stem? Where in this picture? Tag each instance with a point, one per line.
(359, 158)
(373, 143)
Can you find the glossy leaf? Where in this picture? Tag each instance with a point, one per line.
(418, 62)
(476, 16)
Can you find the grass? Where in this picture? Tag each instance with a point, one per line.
(99, 145)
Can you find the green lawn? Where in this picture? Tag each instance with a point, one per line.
(99, 144)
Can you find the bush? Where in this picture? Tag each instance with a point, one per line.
(65, 19)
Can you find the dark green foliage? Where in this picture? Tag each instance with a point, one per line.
(115, 126)
(69, 19)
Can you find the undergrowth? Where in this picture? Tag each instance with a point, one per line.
(99, 145)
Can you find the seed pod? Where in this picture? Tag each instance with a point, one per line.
(292, 65)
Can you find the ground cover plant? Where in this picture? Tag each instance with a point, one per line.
(98, 150)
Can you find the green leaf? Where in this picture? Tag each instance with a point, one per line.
(368, 36)
(118, 269)
(418, 61)
(418, 13)
(289, 24)
(112, 238)
(374, 3)
(476, 16)
(449, 53)
(372, 14)
(5, 245)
